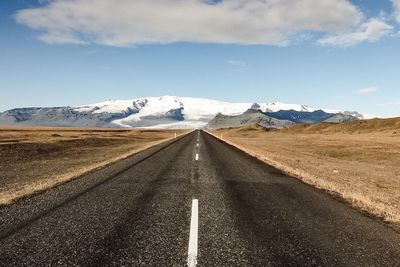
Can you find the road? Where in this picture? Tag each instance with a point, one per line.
(181, 203)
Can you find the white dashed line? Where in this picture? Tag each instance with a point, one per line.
(197, 145)
(194, 224)
(197, 156)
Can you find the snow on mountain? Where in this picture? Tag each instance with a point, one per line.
(196, 111)
(147, 112)
(277, 106)
(111, 106)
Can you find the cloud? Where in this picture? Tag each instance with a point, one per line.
(396, 103)
(396, 5)
(367, 90)
(370, 31)
(132, 22)
(237, 63)
(44, 1)
(388, 104)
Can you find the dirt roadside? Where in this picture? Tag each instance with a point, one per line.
(34, 159)
(359, 163)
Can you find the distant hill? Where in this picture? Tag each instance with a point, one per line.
(278, 120)
(379, 126)
(391, 125)
(250, 117)
(316, 116)
(340, 117)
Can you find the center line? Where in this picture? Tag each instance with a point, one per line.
(194, 224)
(197, 156)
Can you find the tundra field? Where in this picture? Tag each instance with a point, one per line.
(358, 162)
(34, 159)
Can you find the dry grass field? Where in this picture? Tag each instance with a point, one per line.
(358, 162)
(33, 159)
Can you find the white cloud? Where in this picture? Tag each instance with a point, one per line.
(44, 1)
(237, 63)
(131, 22)
(389, 104)
(370, 31)
(396, 5)
(397, 103)
(367, 90)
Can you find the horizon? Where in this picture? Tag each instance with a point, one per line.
(346, 62)
(330, 109)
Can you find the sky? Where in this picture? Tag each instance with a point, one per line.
(336, 54)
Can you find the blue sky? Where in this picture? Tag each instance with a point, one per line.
(50, 57)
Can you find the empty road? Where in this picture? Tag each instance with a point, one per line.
(194, 200)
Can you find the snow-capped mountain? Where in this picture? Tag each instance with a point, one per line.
(189, 112)
(149, 112)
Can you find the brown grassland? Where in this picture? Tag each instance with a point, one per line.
(34, 159)
(358, 162)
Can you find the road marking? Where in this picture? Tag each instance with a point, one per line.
(197, 156)
(194, 225)
(197, 144)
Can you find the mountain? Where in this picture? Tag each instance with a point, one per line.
(316, 116)
(301, 116)
(278, 119)
(342, 117)
(150, 112)
(60, 116)
(249, 117)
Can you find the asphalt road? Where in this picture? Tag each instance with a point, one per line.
(138, 212)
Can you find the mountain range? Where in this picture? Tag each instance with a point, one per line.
(173, 112)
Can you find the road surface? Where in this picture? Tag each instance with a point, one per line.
(194, 200)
